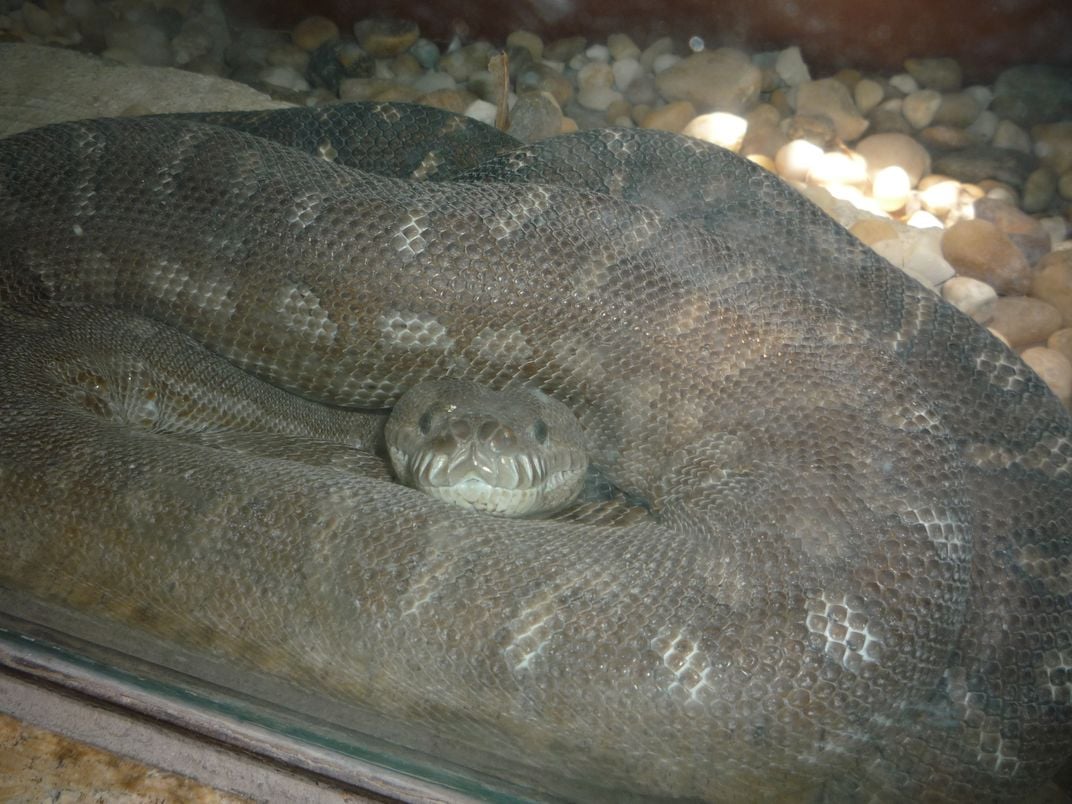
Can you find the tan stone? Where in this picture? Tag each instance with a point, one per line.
(723, 79)
(945, 136)
(621, 46)
(1024, 231)
(939, 195)
(1064, 186)
(1039, 190)
(868, 94)
(1008, 218)
(1055, 370)
(828, 97)
(957, 109)
(890, 148)
(1024, 321)
(671, 117)
(312, 32)
(452, 100)
(971, 297)
(1053, 282)
(920, 107)
(384, 37)
(873, 230)
(376, 89)
(528, 40)
(764, 134)
(1053, 145)
(1061, 341)
(980, 250)
(763, 161)
(720, 128)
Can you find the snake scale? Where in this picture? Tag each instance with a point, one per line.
(851, 578)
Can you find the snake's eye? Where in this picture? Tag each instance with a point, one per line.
(539, 431)
(424, 424)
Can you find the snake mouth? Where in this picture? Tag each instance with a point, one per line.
(508, 485)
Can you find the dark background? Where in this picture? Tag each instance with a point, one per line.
(985, 36)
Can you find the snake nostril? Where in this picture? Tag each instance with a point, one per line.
(461, 429)
(497, 436)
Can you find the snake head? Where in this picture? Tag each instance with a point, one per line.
(513, 453)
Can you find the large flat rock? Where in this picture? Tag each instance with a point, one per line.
(41, 85)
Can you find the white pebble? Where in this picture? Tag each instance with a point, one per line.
(926, 262)
(657, 48)
(1009, 135)
(625, 72)
(664, 62)
(905, 83)
(482, 111)
(982, 94)
(285, 77)
(795, 159)
(971, 296)
(1056, 227)
(891, 188)
(835, 167)
(920, 107)
(867, 94)
(621, 46)
(598, 98)
(595, 75)
(720, 128)
(941, 198)
(921, 219)
(984, 126)
(893, 148)
(852, 197)
(433, 81)
(791, 68)
(918, 253)
(598, 53)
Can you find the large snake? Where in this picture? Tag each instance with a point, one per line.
(837, 560)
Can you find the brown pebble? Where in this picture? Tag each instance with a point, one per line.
(1024, 321)
(1061, 341)
(383, 37)
(452, 100)
(376, 89)
(541, 78)
(1025, 232)
(1053, 145)
(873, 230)
(1053, 282)
(312, 32)
(944, 136)
(980, 250)
(671, 117)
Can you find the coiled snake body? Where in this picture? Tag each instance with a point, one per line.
(852, 578)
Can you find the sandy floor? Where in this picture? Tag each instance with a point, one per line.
(38, 765)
